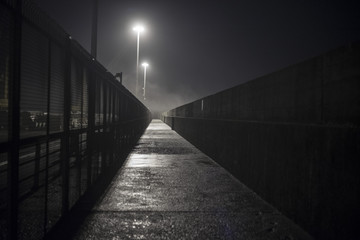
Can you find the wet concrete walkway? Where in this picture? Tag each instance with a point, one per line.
(168, 189)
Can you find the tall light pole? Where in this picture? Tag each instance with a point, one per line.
(145, 66)
(94, 29)
(138, 29)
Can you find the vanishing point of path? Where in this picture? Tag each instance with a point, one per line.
(168, 189)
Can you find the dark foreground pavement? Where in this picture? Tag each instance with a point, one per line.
(168, 189)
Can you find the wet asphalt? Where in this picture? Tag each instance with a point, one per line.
(168, 189)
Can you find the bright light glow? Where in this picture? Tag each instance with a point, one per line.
(145, 64)
(138, 28)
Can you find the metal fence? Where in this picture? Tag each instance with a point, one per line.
(64, 121)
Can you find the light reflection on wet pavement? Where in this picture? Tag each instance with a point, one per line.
(168, 189)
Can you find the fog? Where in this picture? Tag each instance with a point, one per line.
(198, 48)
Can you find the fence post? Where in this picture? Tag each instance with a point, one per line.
(105, 126)
(65, 139)
(113, 126)
(37, 166)
(48, 109)
(91, 124)
(14, 127)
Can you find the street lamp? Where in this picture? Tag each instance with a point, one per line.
(137, 29)
(145, 66)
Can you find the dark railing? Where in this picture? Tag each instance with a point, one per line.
(65, 122)
(292, 136)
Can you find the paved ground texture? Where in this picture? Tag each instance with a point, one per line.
(168, 189)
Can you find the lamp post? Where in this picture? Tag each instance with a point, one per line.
(94, 29)
(145, 65)
(137, 29)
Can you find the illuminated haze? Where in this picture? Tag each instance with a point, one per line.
(197, 48)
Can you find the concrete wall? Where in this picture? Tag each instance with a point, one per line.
(292, 136)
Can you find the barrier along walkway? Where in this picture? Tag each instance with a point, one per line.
(168, 189)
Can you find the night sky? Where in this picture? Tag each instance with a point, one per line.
(197, 48)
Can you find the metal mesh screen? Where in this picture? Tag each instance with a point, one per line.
(8, 2)
(34, 82)
(85, 99)
(57, 69)
(108, 103)
(96, 161)
(3, 194)
(3, 180)
(54, 184)
(116, 106)
(72, 122)
(74, 174)
(78, 120)
(76, 94)
(32, 191)
(6, 33)
(6, 40)
(37, 17)
(83, 168)
(99, 103)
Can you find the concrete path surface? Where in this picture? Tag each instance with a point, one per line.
(168, 189)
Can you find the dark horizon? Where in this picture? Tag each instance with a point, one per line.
(201, 48)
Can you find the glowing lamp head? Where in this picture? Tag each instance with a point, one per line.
(138, 28)
(145, 64)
